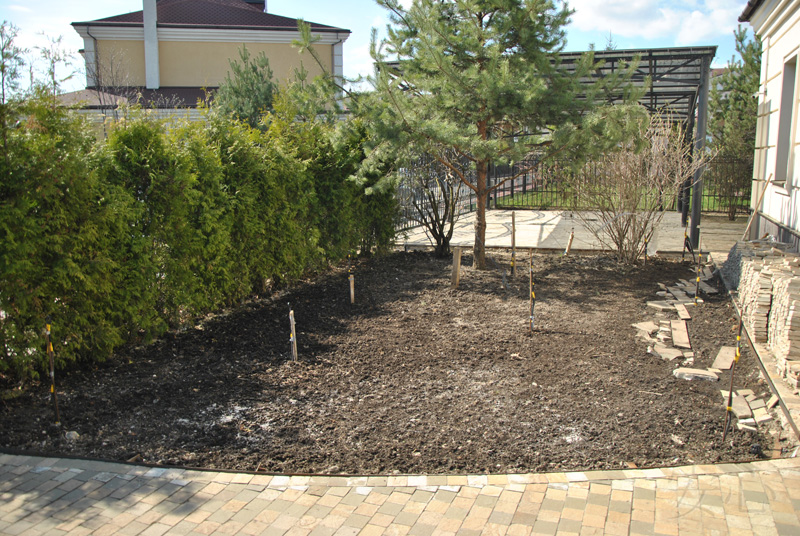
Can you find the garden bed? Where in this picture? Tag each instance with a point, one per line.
(415, 377)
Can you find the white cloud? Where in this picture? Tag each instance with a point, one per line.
(357, 61)
(700, 27)
(20, 9)
(681, 22)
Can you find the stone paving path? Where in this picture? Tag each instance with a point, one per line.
(52, 496)
(550, 230)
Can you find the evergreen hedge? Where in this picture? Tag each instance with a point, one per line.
(116, 241)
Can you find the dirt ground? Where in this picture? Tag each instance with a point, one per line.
(415, 377)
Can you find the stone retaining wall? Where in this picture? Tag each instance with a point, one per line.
(765, 277)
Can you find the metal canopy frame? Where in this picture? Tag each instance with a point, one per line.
(675, 74)
(677, 84)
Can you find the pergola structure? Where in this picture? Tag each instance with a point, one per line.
(677, 83)
(675, 75)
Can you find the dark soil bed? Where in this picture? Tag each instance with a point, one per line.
(416, 377)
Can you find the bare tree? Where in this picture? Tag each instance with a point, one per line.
(112, 85)
(630, 187)
(56, 58)
(433, 191)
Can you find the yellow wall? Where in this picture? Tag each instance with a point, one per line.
(121, 63)
(185, 63)
(203, 64)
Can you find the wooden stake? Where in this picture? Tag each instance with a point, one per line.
(699, 260)
(532, 294)
(729, 407)
(685, 242)
(53, 395)
(569, 243)
(513, 244)
(456, 266)
(351, 278)
(293, 337)
(756, 208)
(645, 252)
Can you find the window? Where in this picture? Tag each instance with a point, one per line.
(785, 143)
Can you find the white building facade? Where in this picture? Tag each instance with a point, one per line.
(776, 168)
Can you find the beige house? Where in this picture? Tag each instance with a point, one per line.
(173, 50)
(777, 23)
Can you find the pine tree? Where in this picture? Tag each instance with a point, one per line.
(734, 108)
(732, 121)
(248, 89)
(481, 80)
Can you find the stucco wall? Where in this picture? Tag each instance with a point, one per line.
(199, 64)
(121, 63)
(777, 22)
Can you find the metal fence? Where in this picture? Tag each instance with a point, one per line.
(726, 190)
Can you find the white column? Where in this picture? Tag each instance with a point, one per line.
(90, 60)
(150, 16)
(337, 62)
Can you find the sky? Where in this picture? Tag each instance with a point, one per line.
(623, 23)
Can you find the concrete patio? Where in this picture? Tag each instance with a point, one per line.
(550, 230)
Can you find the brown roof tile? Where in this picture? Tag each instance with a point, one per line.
(165, 97)
(210, 13)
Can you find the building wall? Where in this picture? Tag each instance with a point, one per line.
(186, 63)
(119, 63)
(777, 22)
(198, 64)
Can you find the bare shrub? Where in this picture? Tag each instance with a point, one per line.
(433, 190)
(630, 188)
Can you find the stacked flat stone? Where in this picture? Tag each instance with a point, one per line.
(766, 280)
(742, 251)
(731, 270)
(784, 321)
(755, 297)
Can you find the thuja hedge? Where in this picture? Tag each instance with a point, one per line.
(116, 241)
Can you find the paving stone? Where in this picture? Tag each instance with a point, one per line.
(724, 358)
(422, 496)
(741, 408)
(486, 501)
(648, 327)
(787, 530)
(773, 401)
(729, 497)
(761, 415)
(667, 352)
(661, 305)
(545, 527)
(569, 525)
(680, 335)
(641, 527)
(421, 530)
(694, 374)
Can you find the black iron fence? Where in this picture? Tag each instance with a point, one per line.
(726, 190)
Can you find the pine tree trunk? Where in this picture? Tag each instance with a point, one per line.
(479, 249)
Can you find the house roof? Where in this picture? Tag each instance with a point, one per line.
(233, 14)
(749, 9)
(111, 97)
